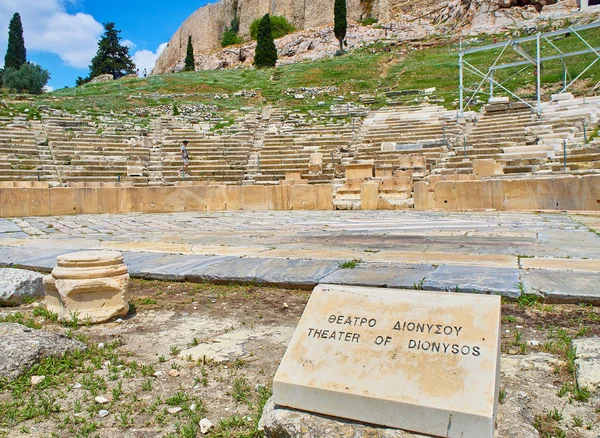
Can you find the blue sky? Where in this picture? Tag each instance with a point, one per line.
(62, 35)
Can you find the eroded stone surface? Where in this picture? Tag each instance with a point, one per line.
(89, 284)
(16, 285)
(281, 422)
(232, 345)
(588, 362)
(22, 347)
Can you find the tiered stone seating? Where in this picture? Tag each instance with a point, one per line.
(502, 136)
(290, 151)
(88, 152)
(216, 158)
(22, 157)
(407, 138)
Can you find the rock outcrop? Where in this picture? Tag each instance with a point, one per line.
(17, 285)
(22, 347)
(207, 24)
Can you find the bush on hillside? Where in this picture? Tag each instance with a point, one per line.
(230, 37)
(30, 78)
(279, 27)
(266, 51)
(368, 21)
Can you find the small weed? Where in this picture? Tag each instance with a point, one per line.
(501, 395)
(349, 264)
(240, 390)
(117, 391)
(527, 300)
(555, 415)
(74, 319)
(577, 421)
(509, 318)
(583, 331)
(45, 313)
(419, 285)
(564, 390)
(177, 399)
(147, 385)
(175, 350)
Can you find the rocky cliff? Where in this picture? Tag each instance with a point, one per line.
(207, 24)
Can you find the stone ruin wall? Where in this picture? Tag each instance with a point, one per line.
(207, 24)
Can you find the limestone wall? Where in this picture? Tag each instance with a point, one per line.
(206, 25)
(20, 202)
(560, 193)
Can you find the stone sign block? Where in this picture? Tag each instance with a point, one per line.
(427, 362)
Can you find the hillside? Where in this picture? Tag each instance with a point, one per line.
(379, 70)
(402, 19)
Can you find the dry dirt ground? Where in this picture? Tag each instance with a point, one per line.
(153, 389)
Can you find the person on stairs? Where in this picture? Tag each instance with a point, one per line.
(185, 157)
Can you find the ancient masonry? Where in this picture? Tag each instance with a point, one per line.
(401, 155)
(403, 20)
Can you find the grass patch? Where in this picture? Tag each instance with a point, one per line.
(349, 264)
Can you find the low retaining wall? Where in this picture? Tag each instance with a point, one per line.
(558, 193)
(547, 193)
(18, 202)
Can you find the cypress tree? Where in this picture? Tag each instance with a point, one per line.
(340, 24)
(266, 52)
(16, 54)
(111, 57)
(189, 56)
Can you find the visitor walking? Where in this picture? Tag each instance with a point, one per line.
(145, 73)
(185, 157)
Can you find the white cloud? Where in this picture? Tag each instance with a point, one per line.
(145, 59)
(48, 89)
(128, 43)
(47, 27)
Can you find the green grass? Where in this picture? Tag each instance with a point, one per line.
(371, 70)
(349, 264)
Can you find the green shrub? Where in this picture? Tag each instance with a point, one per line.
(30, 78)
(368, 21)
(266, 52)
(230, 37)
(279, 27)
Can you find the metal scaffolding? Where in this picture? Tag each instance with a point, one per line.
(536, 60)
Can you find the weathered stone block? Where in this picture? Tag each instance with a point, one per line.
(568, 193)
(424, 199)
(195, 198)
(421, 361)
(303, 197)
(280, 197)
(323, 197)
(359, 170)
(89, 284)
(591, 192)
(233, 198)
(541, 194)
(445, 195)
(62, 201)
(516, 194)
(255, 198)
(369, 193)
(216, 198)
